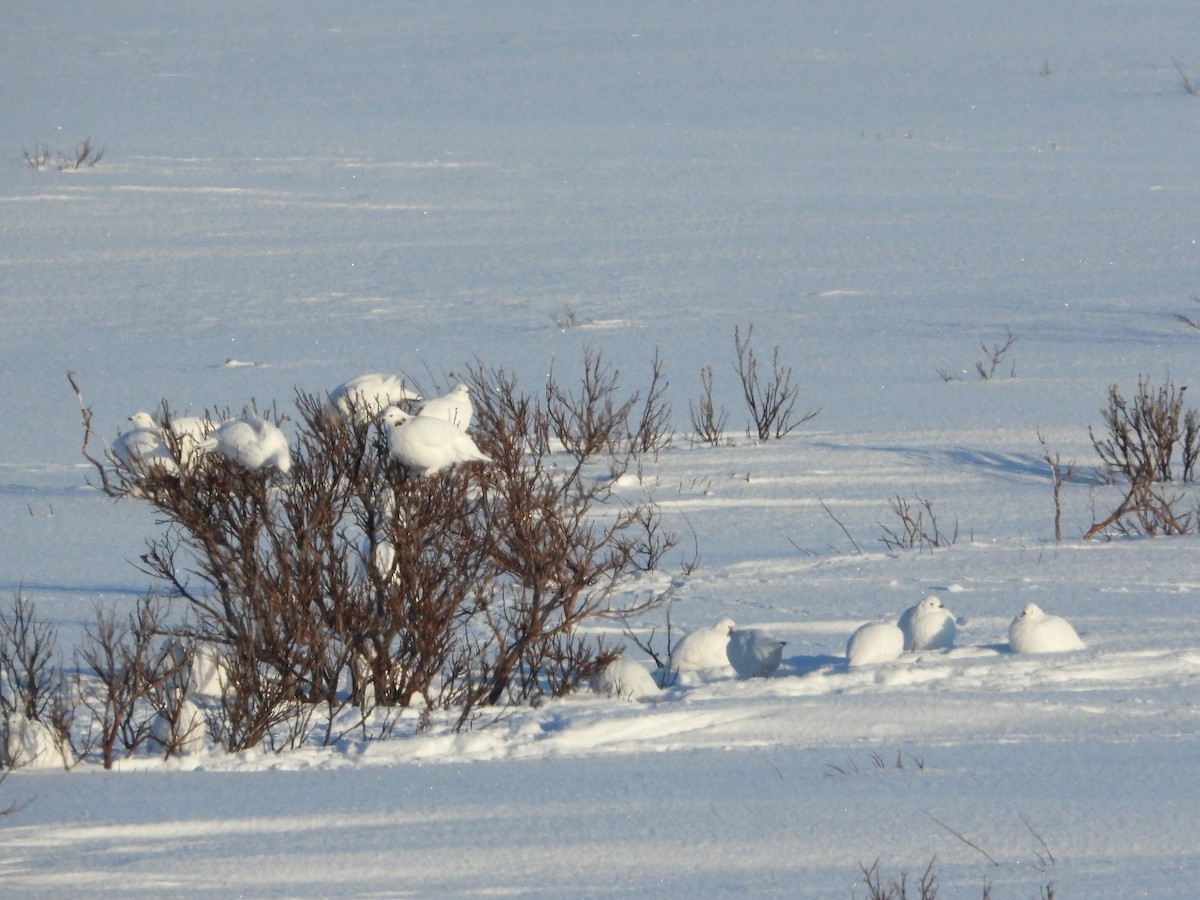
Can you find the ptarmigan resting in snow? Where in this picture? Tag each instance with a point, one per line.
(625, 678)
(928, 626)
(363, 398)
(874, 642)
(427, 445)
(1035, 632)
(455, 407)
(702, 649)
(754, 653)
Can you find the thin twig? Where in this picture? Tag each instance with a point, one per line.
(1049, 855)
(845, 531)
(973, 846)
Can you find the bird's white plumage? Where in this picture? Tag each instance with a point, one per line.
(875, 642)
(141, 449)
(363, 398)
(32, 744)
(190, 434)
(928, 626)
(251, 442)
(454, 406)
(625, 678)
(427, 445)
(181, 727)
(754, 653)
(703, 648)
(1033, 631)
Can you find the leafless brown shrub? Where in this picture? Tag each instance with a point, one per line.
(456, 591)
(878, 889)
(591, 418)
(1059, 474)
(916, 526)
(121, 665)
(652, 432)
(1142, 441)
(771, 398)
(84, 156)
(994, 356)
(33, 685)
(708, 423)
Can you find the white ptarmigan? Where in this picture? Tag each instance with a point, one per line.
(141, 449)
(1033, 631)
(754, 653)
(427, 445)
(32, 744)
(875, 642)
(190, 433)
(251, 442)
(703, 649)
(180, 728)
(928, 626)
(625, 678)
(362, 399)
(454, 406)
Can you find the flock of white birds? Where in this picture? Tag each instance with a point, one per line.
(430, 441)
(436, 438)
(754, 653)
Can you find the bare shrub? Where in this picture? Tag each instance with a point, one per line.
(994, 356)
(121, 667)
(592, 418)
(84, 156)
(878, 889)
(1143, 440)
(652, 430)
(708, 423)
(460, 590)
(33, 687)
(917, 526)
(771, 399)
(1059, 473)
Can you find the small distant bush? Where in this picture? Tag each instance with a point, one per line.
(916, 527)
(1148, 442)
(770, 396)
(85, 156)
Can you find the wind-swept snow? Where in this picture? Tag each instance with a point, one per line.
(884, 193)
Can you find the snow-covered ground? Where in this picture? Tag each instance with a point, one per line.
(323, 191)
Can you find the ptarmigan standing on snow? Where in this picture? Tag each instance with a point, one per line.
(361, 399)
(427, 445)
(874, 642)
(928, 626)
(702, 649)
(1035, 632)
(454, 406)
(754, 653)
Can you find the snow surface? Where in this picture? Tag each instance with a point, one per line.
(292, 193)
